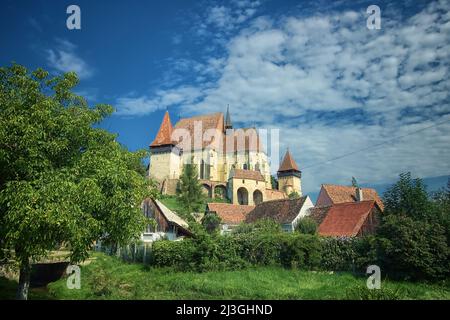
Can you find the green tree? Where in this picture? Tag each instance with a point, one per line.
(294, 195)
(274, 182)
(190, 193)
(211, 222)
(307, 225)
(62, 180)
(412, 235)
(408, 197)
(355, 183)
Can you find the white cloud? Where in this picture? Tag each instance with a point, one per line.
(332, 86)
(139, 105)
(65, 59)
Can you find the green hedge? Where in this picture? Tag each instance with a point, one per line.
(235, 252)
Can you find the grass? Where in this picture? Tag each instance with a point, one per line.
(109, 278)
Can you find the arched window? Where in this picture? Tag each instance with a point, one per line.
(242, 195)
(257, 197)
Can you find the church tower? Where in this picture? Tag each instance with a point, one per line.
(164, 155)
(289, 176)
(228, 124)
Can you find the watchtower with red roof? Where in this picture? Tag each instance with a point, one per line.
(289, 176)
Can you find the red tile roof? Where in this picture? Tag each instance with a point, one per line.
(163, 137)
(230, 213)
(208, 122)
(342, 194)
(247, 174)
(288, 163)
(345, 219)
(282, 211)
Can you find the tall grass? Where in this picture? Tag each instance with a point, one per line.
(110, 278)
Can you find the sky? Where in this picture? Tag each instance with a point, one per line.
(348, 100)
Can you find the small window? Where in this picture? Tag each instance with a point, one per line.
(243, 181)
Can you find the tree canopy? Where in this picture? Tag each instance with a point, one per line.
(63, 180)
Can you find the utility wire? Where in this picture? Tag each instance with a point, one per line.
(378, 145)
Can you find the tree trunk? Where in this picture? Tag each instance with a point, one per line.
(24, 281)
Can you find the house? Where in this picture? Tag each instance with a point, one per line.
(168, 224)
(286, 212)
(349, 219)
(332, 194)
(230, 214)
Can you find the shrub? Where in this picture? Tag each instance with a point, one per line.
(348, 254)
(300, 251)
(413, 249)
(307, 225)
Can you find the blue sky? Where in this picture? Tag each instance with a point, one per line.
(309, 68)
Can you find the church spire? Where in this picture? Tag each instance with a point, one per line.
(288, 163)
(164, 135)
(228, 124)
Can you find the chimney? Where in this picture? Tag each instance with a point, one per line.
(359, 194)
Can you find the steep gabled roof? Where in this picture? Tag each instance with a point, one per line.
(288, 163)
(163, 137)
(345, 219)
(247, 174)
(171, 216)
(342, 194)
(282, 211)
(230, 213)
(208, 122)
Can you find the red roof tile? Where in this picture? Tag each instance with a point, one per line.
(230, 213)
(247, 174)
(342, 194)
(282, 211)
(163, 137)
(345, 219)
(288, 163)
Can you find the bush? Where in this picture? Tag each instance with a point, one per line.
(307, 225)
(208, 253)
(348, 254)
(413, 249)
(300, 251)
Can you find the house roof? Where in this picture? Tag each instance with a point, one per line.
(171, 216)
(318, 214)
(164, 135)
(288, 163)
(242, 139)
(282, 211)
(247, 174)
(211, 122)
(345, 219)
(342, 194)
(230, 213)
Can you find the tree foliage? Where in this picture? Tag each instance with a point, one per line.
(413, 236)
(190, 192)
(307, 225)
(62, 179)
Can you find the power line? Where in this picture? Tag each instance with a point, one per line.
(378, 145)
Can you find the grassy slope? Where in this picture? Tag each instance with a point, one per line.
(109, 278)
